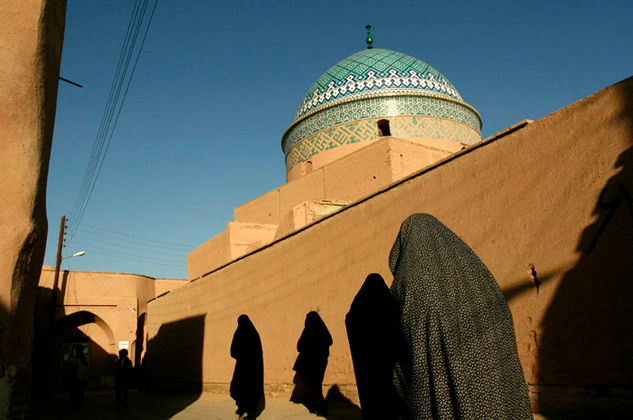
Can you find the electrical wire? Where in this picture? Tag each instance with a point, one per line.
(127, 255)
(130, 244)
(97, 149)
(87, 228)
(133, 248)
(109, 138)
(98, 146)
(113, 108)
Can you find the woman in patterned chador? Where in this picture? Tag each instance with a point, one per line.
(457, 355)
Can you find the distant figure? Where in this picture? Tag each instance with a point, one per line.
(247, 385)
(371, 328)
(123, 378)
(314, 350)
(457, 353)
(77, 372)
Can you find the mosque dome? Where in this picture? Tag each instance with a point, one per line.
(350, 101)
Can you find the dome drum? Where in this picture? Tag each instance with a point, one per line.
(367, 130)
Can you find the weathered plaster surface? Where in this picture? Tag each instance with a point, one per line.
(31, 34)
(355, 174)
(530, 198)
(119, 303)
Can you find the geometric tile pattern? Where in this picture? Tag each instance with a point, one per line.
(383, 104)
(367, 130)
(416, 126)
(375, 69)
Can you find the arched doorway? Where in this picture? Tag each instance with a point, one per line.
(87, 333)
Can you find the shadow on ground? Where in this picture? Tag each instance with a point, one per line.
(100, 405)
(340, 407)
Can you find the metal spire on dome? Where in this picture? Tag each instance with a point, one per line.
(369, 40)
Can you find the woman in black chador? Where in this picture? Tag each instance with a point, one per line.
(457, 355)
(247, 385)
(314, 349)
(371, 328)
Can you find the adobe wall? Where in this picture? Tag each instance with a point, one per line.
(355, 175)
(118, 302)
(31, 34)
(528, 199)
(439, 148)
(116, 298)
(165, 285)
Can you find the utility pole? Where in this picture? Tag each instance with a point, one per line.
(60, 245)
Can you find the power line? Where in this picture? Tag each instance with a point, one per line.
(119, 77)
(134, 248)
(113, 107)
(142, 241)
(109, 138)
(110, 103)
(137, 257)
(142, 238)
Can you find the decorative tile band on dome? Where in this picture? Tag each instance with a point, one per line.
(371, 70)
(381, 106)
(366, 130)
(372, 83)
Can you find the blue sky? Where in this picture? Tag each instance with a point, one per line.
(219, 81)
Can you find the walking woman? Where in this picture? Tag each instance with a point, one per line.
(314, 349)
(247, 385)
(456, 354)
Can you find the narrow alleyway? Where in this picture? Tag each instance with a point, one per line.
(207, 406)
(158, 406)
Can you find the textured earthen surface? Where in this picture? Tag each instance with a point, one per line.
(31, 34)
(546, 207)
(354, 175)
(99, 311)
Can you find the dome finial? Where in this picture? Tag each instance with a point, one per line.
(369, 40)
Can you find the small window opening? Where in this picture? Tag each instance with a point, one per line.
(306, 167)
(383, 128)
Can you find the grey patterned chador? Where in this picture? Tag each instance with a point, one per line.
(457, 356)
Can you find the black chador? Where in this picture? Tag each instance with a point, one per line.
(247, 385)
(314, 350)
(371, 329)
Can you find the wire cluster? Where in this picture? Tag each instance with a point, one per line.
(140, 22)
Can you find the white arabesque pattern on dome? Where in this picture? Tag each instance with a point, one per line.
(393, 82)
(375, 70)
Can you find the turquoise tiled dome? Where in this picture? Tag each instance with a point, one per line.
(344, 105)
(373, 70)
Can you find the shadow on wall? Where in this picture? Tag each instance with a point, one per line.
(4, 317)
(4, 385)
(173, 360)
(587, 341)
(41, 360)
(139, 372)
